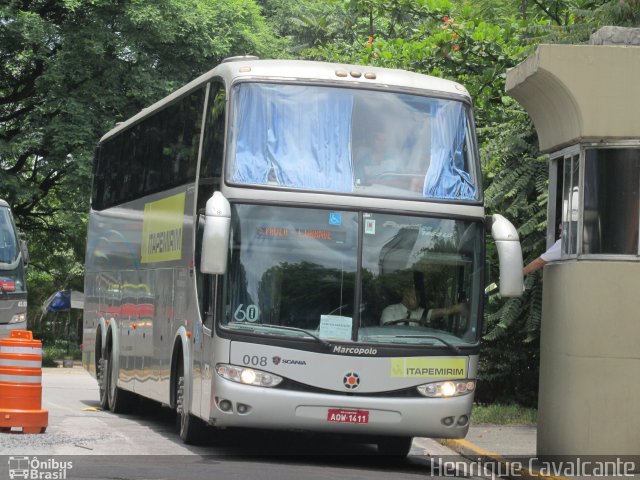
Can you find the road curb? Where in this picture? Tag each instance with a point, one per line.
(473, 452)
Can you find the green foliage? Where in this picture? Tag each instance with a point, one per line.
(51, 354)
(499, 414)
(54, 351)
(516, 178)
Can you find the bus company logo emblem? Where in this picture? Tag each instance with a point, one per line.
(287, 361)
(351, 380)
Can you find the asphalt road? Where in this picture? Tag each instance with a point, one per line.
(144, 445)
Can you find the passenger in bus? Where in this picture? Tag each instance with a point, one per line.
(409, 312)
(379, 163)
(377, 160)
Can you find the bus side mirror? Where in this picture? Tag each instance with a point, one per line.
(510, 256)
(23, 248)
(215, 238)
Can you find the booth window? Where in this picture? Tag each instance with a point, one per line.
(570, 205)
(567, 201)
(611, 199)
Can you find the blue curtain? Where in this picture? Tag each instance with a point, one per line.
(446, 176)
(299, 135)
(251, 162)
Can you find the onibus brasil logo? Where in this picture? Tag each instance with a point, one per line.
(33, 468)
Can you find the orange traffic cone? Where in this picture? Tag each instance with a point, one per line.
(21, 384)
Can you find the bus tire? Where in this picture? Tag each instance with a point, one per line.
(119, 400)
(101, 374)
(191, 429)
(101, 370)
(398, 447)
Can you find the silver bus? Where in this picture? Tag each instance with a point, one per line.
(294, 245)
(13, 289)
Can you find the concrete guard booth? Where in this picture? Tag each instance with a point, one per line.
(585, 103)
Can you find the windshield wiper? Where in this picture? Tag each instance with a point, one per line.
(450, 345)
(282, 327)
(433, 337)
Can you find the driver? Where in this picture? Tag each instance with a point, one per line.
(410, 312)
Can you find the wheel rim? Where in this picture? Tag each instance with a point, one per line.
(111, 382)
(101, 380)
(182, 416)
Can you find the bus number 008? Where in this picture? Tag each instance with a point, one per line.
(254, 360)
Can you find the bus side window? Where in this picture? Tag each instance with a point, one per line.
(213, 151)
(209, 182)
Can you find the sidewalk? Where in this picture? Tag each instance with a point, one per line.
(512, 449)
(497, 441)
(508, 450)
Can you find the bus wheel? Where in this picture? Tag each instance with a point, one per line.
(101, 373)
(119, 400)
(395, 446)
(191, 429)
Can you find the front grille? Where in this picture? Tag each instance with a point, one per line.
(288, 384)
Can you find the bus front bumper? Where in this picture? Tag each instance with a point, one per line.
(272, 408)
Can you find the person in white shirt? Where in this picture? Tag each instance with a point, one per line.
(409, 312)
(553, 253)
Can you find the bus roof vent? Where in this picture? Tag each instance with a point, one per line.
(240, 58)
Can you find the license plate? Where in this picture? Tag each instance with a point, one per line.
(341, 415)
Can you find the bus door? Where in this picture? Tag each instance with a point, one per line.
(203, 347)
(206, 288)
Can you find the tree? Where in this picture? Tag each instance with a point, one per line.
(71, 70)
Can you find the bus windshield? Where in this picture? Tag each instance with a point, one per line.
(360, 142)
(11, 269)
(299, 272)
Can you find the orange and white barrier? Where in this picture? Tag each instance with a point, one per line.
(21, 384)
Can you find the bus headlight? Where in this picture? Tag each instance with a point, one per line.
(449, 388)
(247, 376)
(17, 318)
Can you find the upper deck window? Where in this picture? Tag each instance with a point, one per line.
(361, 142)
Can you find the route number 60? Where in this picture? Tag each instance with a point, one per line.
(249, 314)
